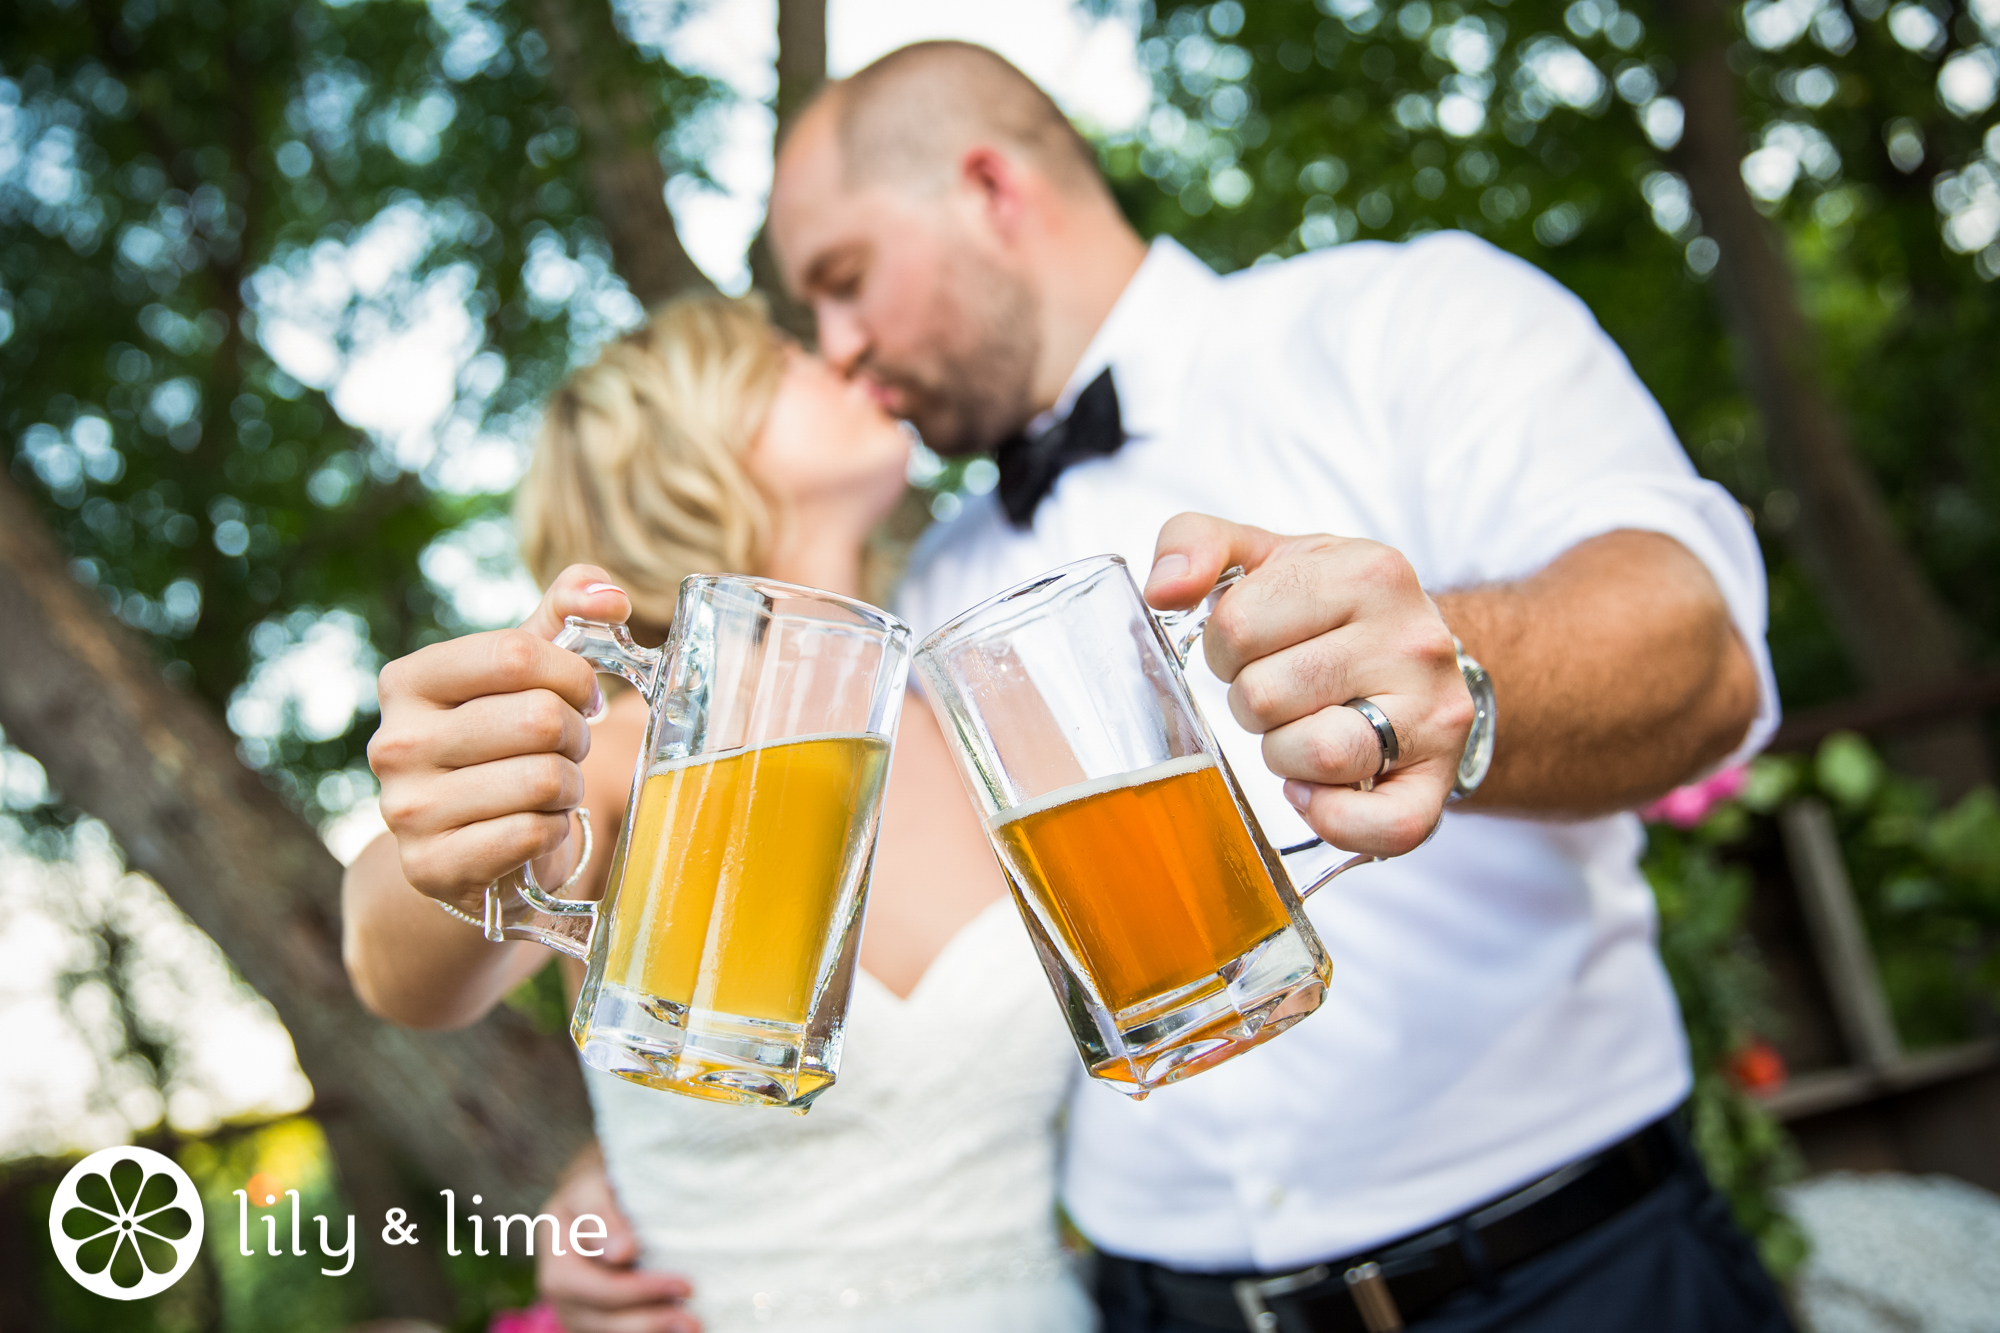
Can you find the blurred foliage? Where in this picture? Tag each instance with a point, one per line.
(39, 1286)
(260, 1291)
(543, 999)
(1724, 997)
(1545, 127)
(225, 1291)
(1748, 1155)
(195, 196)
(219, 221)
(1928, 885)
(1928, 881)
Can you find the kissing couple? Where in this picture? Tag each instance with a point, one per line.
(1480, 1129)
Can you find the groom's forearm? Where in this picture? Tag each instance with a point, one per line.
(1617, 675)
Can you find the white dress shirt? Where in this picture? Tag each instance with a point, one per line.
(1497, 1006)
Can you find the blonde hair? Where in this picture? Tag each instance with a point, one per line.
(639, 467)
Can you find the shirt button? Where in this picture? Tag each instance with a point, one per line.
(1275, 1199)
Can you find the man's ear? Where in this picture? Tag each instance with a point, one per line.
(1001, 185)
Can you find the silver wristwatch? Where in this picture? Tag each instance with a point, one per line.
(1477, 756)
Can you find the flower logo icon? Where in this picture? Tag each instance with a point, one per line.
(126, 1223)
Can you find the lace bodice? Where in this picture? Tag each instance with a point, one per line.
(926, 1174)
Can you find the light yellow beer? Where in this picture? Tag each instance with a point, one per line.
(1150, 877)
(733, 870)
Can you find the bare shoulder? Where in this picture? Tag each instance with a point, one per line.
(921, 751)
(928, 819)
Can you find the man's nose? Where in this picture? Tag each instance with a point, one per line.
(842, 340)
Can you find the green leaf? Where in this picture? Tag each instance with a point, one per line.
(1771, 781)
(1847, 769)
(1911, 893)
(79, 1223)
(160, 1190)
(93, 1256)
(1967, 837)
(94, 1191)
(1727, 822)
(127, 1268)
(172, 1223)
(126, 1178)
(157, 1255)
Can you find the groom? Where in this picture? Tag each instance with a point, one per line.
(1477, 1130)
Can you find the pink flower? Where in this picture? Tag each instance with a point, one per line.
(537, 1318)
(1684, 807)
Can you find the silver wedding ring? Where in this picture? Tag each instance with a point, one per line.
(1385, 736)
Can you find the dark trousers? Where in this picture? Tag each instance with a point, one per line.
(1674, 1262)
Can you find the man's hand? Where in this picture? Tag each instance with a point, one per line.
(1319, 621)
(480, 740)
(608, 1293)
(1619, 672)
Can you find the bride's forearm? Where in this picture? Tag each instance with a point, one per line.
(412, 963)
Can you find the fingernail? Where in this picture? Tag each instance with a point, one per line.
(1300, 794)
(1170, 566)
(596, 704)
(591, 590)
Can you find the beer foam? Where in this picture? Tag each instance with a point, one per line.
(1171, 768)
(711, 756)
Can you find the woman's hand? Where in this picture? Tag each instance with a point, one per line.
(607, 1293)
(479, 752)
(480, 740)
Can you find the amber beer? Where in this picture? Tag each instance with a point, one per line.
(733, 870)
(1170, 930)
(1149, 877)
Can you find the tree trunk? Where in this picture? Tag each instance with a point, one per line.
(801, 55)
(590, 65)
(496, 1109)
(24, 1243)
(801, 72)
(408, 1281)
(1893, 623)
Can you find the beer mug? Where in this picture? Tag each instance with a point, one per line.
(1167, 924)
(722, 954)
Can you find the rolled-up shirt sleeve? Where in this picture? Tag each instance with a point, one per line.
(1537, 435)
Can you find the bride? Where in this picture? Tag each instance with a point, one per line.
(919, 1194)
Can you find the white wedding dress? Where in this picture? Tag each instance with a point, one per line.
(918, 1196)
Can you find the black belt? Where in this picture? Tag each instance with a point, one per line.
(1377, 1290)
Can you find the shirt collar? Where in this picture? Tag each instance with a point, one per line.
(1145, 340)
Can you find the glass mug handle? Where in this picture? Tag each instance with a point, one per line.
(1183, 630)
(610, 649)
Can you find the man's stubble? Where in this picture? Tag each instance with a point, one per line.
(975, 388)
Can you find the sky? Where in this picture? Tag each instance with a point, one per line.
(398, 384)
(1089, 66)
(60, 1087)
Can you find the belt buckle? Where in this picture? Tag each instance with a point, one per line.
(1365, 1283)
(1251, 1291)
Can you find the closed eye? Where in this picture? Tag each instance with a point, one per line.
(837, 276)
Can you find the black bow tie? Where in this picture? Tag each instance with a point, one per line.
(1029, 467)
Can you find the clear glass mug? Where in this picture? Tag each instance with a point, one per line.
(1166, 921)
(721, 956)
